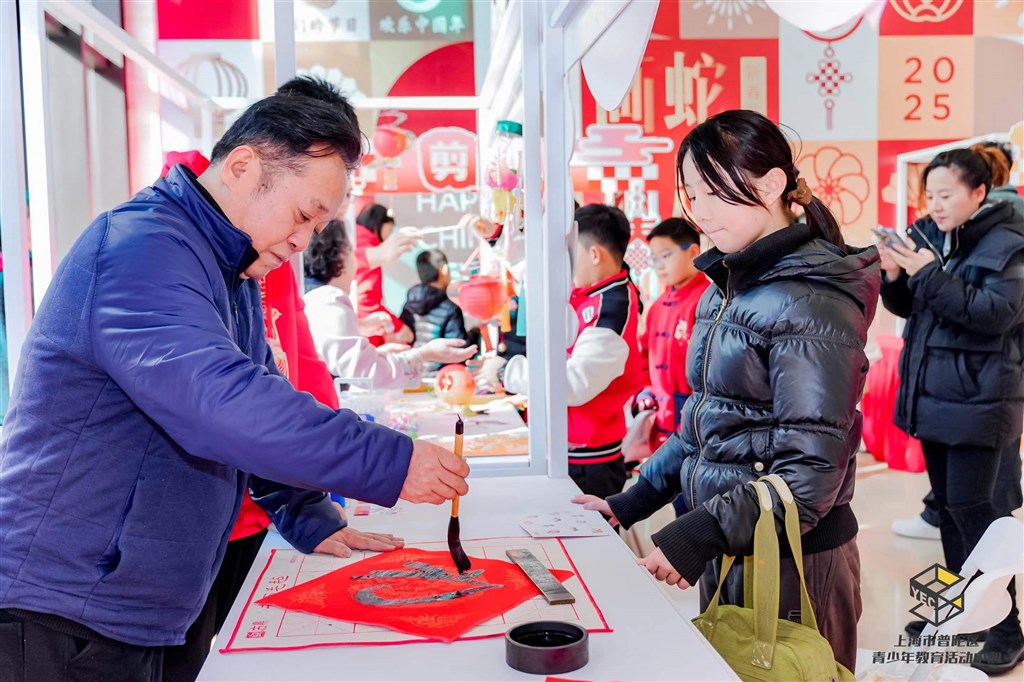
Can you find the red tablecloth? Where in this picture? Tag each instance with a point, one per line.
(881, 437)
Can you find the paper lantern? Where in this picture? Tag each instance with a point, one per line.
(390, 141)
(215, 75)
(501, 177)
(482, 296)
(455, 385)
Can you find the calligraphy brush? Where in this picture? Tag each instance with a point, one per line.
(454, 543)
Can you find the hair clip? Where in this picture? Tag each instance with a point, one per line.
(802, 194)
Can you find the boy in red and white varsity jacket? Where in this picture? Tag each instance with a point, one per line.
(674, 244)
(604, 367)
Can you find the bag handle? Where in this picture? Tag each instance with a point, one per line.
(709, 619)
(807, 617)
(766, 579)
(765, 583)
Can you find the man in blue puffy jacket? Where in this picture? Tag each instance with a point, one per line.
(143, 397)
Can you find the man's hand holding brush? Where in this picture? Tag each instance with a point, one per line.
(435, 474)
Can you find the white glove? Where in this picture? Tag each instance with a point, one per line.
(488, 374)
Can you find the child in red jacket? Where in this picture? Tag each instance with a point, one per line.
(674, 244)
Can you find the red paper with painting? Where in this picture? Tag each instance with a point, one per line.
(413, 591)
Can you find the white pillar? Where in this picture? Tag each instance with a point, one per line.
(13, 207)
(35, 86)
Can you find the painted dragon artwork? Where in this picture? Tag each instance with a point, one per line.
(419, 569)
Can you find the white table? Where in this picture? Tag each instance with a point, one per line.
(650, 640)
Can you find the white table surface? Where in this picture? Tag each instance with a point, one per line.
(650, 640)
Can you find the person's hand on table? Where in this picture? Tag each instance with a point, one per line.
(344, 541)
(435, 474)
(341, 510)
(446, 351)
(658, 566)
(911, 261)
(595, 503)
(376, 324)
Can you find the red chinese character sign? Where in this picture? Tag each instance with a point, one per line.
(446, 159)
(438, 160)
(680, 84)
(413, 591)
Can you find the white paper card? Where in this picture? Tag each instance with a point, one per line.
(565, 524)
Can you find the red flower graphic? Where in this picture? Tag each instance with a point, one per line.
(838, 180)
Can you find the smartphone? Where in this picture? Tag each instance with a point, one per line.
(889, 237)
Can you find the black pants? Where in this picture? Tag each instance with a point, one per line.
(183, 663)
(602, 480)
(963, 480)
(32, 652)
(1006, 495)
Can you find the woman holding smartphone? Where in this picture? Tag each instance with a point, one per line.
(961, 289)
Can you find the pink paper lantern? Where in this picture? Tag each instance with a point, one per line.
(482, 296)
(390, 141)
(500, 177)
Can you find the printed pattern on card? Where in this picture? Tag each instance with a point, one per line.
(566, 524)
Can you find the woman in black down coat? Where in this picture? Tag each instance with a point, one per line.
(777, 366)
(962, 367)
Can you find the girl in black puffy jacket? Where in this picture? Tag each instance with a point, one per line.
(961, 289)
(777, 364)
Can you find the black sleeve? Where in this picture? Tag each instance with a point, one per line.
(994, 307)
(896, 296)
(408, 319)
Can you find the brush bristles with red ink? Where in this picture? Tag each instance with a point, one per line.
(454, 543)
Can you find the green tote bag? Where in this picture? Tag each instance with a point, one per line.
(755, 642)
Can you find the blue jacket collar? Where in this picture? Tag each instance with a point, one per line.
(232, 247)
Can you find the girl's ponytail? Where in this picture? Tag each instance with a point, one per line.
(821, 220)
(818, 217)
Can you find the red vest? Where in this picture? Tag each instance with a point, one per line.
(599, 425)
(664, 346)
(370, 282)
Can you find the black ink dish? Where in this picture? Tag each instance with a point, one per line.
(546, 647)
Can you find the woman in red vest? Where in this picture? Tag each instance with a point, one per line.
(377, 244)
